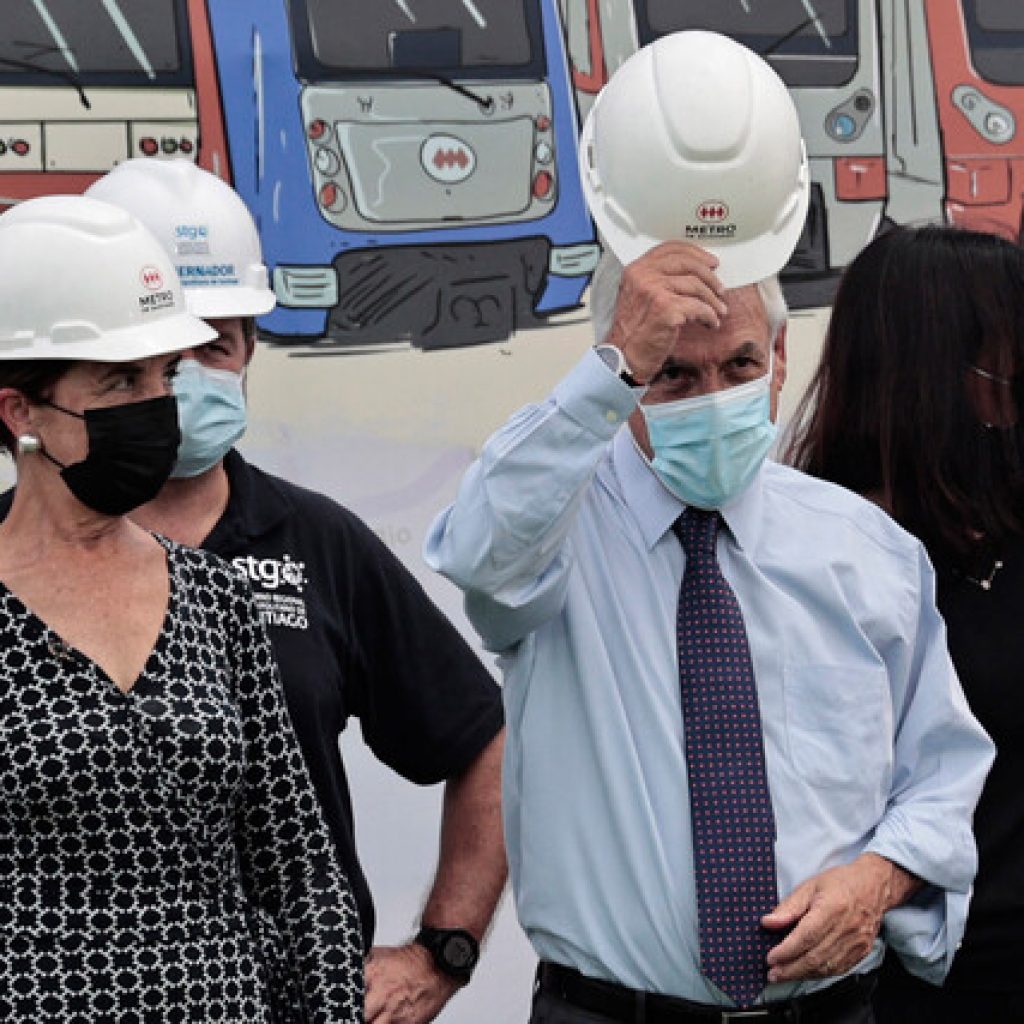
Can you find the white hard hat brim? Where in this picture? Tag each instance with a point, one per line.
(120, 345)
(739, 263)
(216, 301)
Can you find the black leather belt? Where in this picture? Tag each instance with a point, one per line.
(629, 1006)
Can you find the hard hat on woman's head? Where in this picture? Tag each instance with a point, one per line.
(81, 279)
(696, 138)
(204, 226)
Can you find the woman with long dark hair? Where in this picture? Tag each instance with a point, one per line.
(916, 404)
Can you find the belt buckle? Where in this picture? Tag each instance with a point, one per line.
(759, 1013)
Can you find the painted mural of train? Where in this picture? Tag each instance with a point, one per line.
(911, 109)
(412, 163)
(85, 84)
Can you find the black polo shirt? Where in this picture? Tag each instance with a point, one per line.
(354, 634)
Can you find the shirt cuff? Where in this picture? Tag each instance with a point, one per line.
(940, 852)
(595, 397)
(926, 930)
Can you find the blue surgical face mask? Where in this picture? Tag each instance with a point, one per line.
(211, 413)
(708, 449)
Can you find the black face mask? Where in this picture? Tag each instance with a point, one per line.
(132, 450)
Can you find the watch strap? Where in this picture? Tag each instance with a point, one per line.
(455, 950)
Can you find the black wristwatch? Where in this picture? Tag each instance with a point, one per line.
(454, 950)
(613, 357)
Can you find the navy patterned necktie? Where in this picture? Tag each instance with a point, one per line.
(731, 809)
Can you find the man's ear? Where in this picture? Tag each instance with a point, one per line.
(249, 326)
(15, 411)
(778, 371)
(779, 368)
(638, 427)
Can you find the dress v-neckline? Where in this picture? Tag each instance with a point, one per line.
(60, 648)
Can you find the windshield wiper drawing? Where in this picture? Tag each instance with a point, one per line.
(69, 76)
(813, 18)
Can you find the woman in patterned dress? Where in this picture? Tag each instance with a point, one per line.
(162, 855)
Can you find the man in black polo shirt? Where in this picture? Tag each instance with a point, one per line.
(354, 633)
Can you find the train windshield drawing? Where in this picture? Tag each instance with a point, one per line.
(826, 51)
(97, 42)
(412, 165)
(490, 38)
(85, 84)
(808, 42)
(995, 35)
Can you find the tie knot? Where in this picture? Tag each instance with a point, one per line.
(697, 529)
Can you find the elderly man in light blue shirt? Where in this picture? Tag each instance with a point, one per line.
(562, 537)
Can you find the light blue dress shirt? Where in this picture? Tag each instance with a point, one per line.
(561, 539)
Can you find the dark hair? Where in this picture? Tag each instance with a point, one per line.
(888, 413)
(35, 379)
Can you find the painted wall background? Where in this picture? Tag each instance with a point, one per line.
(429, 246)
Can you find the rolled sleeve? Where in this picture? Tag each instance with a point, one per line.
(942, 756)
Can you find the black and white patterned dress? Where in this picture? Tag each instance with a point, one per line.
(162, 854)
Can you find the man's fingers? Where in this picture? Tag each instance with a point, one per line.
(700, 311)
(671, 286)
(673, 253)
(680, 310)
(810, 932)
(838, 914)
(659, 315)
(791, 909)
(374, 1002)
(810, 951)
(375, 998)
(403, 986)
(680, 269)
(821, 961)
(371, 967)
(695, 287)
(689, 268)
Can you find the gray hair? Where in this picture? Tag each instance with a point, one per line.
(604, 293)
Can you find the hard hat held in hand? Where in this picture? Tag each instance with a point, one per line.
(80, 279)
(205, 227)
(695, 138)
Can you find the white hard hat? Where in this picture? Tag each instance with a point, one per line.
(696, 138)
(203, 224)
(80, 279)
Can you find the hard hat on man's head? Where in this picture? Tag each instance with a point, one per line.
(696, 138)
(81, 279)
(205, 227)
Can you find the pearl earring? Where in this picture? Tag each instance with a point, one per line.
(29, 443)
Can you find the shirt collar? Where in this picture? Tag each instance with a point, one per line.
(656, 508)
(250, 513)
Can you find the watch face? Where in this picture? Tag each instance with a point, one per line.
(459, 952)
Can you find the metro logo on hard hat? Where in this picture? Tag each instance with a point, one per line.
(697, 138)
(119, 298)
(712, 212)
(151, 278)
